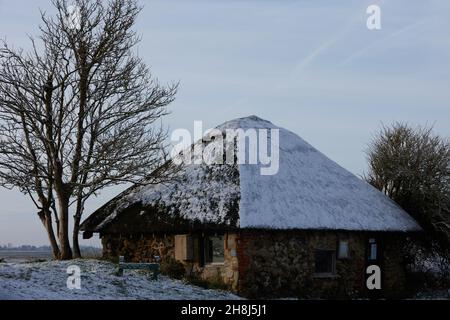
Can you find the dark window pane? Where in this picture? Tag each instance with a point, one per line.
(214, 250)
(208, 250)
(218, 249)
(324, 261)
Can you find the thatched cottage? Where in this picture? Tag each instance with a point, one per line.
(308, 231)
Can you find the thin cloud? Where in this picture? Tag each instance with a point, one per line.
(325, 46)
(378, 42)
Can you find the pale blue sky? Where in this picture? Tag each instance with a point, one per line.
(309, 66)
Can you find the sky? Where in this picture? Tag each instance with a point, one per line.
(310, 66)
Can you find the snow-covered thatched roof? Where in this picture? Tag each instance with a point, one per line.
(310, 191)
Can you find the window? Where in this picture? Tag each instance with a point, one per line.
(343, 251)
(373, 249)
(324, 262)
(214, 250)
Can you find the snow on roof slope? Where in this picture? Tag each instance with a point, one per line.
(310, 191)
(200, 193)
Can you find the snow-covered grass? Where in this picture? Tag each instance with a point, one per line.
(47, 281)
(433, 295)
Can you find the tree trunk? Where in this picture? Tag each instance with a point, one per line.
(63, 208)
(75, 243)
(46, 219)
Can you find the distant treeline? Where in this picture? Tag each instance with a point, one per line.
(9, 247)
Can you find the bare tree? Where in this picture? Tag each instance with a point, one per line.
(412, 166)
(79, 113)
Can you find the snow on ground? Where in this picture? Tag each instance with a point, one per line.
(433, 295)
(47, 281)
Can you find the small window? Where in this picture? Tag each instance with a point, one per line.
(343, 252)
(373, 249)
(214, 250)
(324, 262)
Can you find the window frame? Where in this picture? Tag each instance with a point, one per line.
(330, 274)
(209, 260)
(183, 247)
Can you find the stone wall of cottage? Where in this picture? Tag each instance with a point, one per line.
(144, 248)
(137, 248)
(263, 264)
(281, 264)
